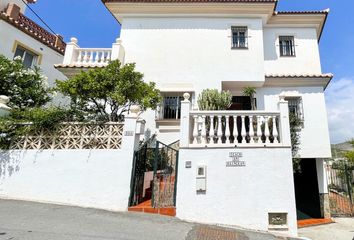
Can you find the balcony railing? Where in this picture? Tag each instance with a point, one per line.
(234, 128)
(93, 56)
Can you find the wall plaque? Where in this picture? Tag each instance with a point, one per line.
(129, 133)
(235, 160)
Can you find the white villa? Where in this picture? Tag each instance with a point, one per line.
(21, 36)
(214, 167)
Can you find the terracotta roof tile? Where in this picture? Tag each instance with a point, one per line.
(323, 75)
(192, 1)
(31, 28)
(78, 66)
(326, 11)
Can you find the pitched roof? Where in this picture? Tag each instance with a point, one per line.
(192, 1)
(31, 28)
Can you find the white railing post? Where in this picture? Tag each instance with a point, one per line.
(131, 133)
(117, 51)
(185, 121)
(284, 124)
(71, 53)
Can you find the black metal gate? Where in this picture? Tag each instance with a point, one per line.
(341, 188)
(154, 175)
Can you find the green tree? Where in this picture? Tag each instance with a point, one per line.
(25, 87)
(107, 93)
(250, 92)
(212, 99)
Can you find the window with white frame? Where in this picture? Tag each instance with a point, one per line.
(287, 46)
(295, 107)
(170, 107)
(29, 59)
(239, 37)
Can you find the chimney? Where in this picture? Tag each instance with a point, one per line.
(59, 42)
(13, 11)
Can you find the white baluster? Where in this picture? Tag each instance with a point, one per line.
(212, 130)
(235, 130)
(101, 57)
(79, 58)
(259, 130)
(204, 140)
(91, 57)
(266, 130)
(85, 57)
(227, 130)
(219, 133)
(251, 131)
(275, 130)
(108, 56)
(97, 57)
(195, 130)
(243, 130)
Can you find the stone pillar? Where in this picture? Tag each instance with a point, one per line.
(185, 121)
(132, 130)
(4, 109)
(323, 188)
(284, 128)
(118, 52)
(71, 53)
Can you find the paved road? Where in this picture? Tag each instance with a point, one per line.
(342, 229)
(33, 221)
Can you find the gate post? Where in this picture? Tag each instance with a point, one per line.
(185, 121)
(284, 122)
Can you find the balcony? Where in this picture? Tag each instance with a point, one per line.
(77, 59)
(233, 129)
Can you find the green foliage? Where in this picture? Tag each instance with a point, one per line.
(295, 124)
(25, 87)
(351, 142)
(349, 156)
(212, 99)
(250, 92)
(21, 122)
(106, 94)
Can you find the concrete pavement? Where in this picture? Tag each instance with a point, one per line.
(35, 221)
(342, 229)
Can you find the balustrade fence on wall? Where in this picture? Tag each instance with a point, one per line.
(93, 56)
(235, 128)
(230, 128)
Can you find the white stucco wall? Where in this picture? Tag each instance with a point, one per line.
(233, 197)
(10, 34)
(193, 50)
(307, 59)
(87, 178)
(314, 136)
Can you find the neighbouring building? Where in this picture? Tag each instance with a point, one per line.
(21, 36)
(229, 167)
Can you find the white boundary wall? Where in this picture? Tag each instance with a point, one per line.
(241, 196)
(88, 178)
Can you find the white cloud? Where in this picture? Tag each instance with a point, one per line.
(340, 108)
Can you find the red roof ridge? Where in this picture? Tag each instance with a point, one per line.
(325, 11)
(192, 1)
(31, 28)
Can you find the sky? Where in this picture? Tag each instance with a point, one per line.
(94, 26)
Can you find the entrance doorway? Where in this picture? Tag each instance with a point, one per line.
(306, 191)
(154, 179)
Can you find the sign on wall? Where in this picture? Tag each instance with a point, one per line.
(235, 160)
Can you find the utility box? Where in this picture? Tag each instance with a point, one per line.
(201, 180)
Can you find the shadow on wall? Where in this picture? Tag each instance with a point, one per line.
(9, 163)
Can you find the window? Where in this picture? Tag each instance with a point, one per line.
(287, 46)
(28, 58)
(239, 37)
(170, 107)
(295, 107)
